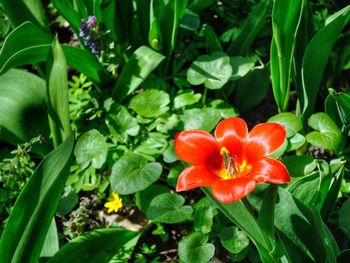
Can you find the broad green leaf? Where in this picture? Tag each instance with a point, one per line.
(299, 231)
(204, 212)
(291, 122)
(154, 145)
(144, 197)
(27, 44)
(190, 21)
(57, 89)
(91, 148)
(295, 142)
(299, 165)
(251, 28)
(121, 124)
(30, 219)
(133, 173)
(98, 246)
(198, 6)
(169, 156)
(185, 98)
(168, 208)
(173, 175)
(211, 40)
(238, 214)
(327, 134)
(155, 36)
(233, 239)
(68, 201)
(343, 100)
(150, 103)
(139, 66)
(194, 248)
(316, 57)
(241, 66)
(251, 89)
(19, 11)
(213, 71)
(286, 17)
(66, 9)
(51, 245)
(23, 107)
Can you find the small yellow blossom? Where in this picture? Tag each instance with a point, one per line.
(114, 204)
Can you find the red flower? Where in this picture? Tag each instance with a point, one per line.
(233, 161)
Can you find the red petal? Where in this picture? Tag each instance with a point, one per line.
(270, 170)
(262, 140)
(231, 133)
(194, 176)
(197, 147)
(227, 191)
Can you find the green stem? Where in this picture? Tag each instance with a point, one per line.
(204, 97)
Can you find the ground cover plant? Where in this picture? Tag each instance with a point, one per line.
(174, 131)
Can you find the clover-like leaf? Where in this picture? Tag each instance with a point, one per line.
(194, 248)
(233, 239)
(185, 98)
(327, 134)
(168, 208)
(203, 215)
(150, 103)
(91, 148)
(213, 71)
(241, 66)
(133, 173)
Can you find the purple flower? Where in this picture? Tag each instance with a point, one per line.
(91, 21)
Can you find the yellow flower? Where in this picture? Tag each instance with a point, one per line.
(114, 204)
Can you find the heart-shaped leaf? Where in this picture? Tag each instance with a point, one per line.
(133, 173)
(233, 239)
(213, 71)
(290, 121)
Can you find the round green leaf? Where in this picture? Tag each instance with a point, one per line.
(91, 148)
(233, 239)
(291, 122)
(194, 248)
(204, 212)
(168, 208)
(241, 66)
(295, 142)
(327, 134)
(150, 103)
(133, 173)
(185, 98)
(213, 71)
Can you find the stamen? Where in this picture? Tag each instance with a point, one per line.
(232, 167)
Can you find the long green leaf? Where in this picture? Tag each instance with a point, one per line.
(57, 87)
(239, 215)
(316, 57)
(140, 65)
(19, 11)
(26, 229)
(27, 44)
(51, 245)
(286, 16)
(65, 8)
(23, 107)
(97, 246)
(252, 27)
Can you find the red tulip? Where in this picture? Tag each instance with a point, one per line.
(233, 161)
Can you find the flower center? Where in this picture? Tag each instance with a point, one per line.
(233, 169)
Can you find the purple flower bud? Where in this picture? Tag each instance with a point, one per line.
(91, 21)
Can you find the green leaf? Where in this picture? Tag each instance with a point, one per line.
(154, 145)
(139, 66)
(121, 124)
(144, 198)
(30, 219)
(251, 28)
(233, 239)
(316, 57)
(185, 98)
(51, 245)
(168, 208)
(327, 134)
(66, 9)
(213, 71)
(28, 44)
(19, 11)
(155, 39)
(299, 166)
(194, 248)
(98, 246)
(68, 201)
(211, 40)
(241, 66)
(133, 173)
(204, 212)
(150, 103)
(91, 148)
(190, 21)
(57, 88)
(291, 122)
(256, 82)
(295, 142)
(286, 17)
(23, 107)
